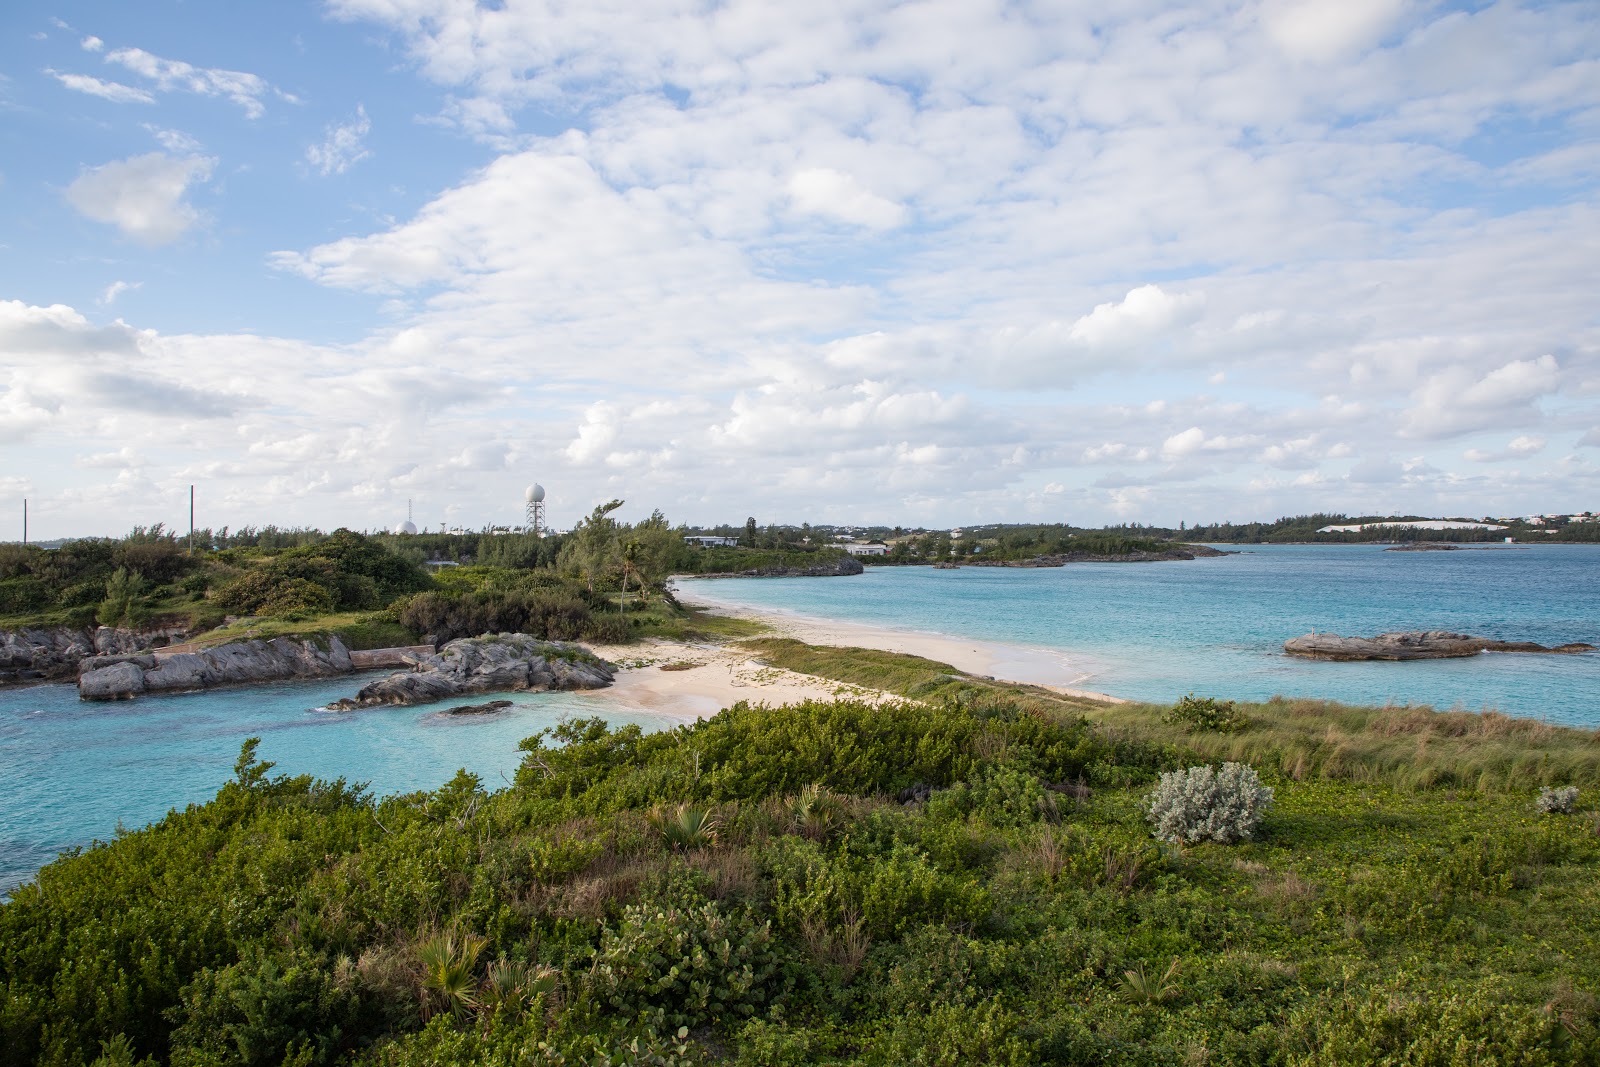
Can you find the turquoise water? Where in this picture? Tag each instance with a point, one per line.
(73, 771)
(1154, 631)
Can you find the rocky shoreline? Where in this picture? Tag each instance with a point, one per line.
(491, 663)
(1414, 644)
(123, 677)
(32, 656)
(838, 568)
(1181, 552)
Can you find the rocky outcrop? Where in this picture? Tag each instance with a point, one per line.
(492, 707)
(487, 664)
(122, 677)
(1176, 552)
(1412, 644)
(55, 655)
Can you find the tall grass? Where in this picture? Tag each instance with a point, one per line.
(1403, 747)
(903, 674)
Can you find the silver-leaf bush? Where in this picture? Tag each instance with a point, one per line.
(1203, 804)
(1557, 801)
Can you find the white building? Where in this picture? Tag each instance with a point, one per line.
(710, 541)
(1417, 524)
(865, 550)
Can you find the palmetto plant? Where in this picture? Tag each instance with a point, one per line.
(685, 828)
(511, 987)
(816, 813)
(448, 963)
(1140, 988)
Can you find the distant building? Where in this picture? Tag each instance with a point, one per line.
(710, 541)
(1415, 524)
(864, 550)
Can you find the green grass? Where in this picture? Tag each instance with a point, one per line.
(694, 623)
(357, 629)
(905, 675)
(1406, 748)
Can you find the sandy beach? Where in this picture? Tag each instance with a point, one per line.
(691, 681)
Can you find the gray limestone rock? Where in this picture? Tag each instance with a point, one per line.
(230, 664)
(491, 663)
(120, 681)
(1412, 644)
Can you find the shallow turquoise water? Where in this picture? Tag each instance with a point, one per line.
(1154, 631)
(72, 771)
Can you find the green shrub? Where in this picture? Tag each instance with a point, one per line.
(21, 595)
(1003, 796)
(1202, 804)
(696, 965)
(1206, 713)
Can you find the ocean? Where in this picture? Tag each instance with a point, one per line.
(1155, 631)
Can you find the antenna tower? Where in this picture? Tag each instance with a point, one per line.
(533, 515)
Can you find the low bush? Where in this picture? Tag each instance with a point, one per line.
(1554, 801)
(1202, 804)
(1206, 713)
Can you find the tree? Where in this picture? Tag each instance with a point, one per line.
(750, 532)
(592, 549)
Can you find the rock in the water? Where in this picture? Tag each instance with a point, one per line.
(120, 681)
(114, 677)
(1412, 644)
(491, 663)
(488, 708)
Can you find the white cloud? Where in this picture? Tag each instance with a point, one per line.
(142, 196)
(343, 146)
(174, 141)
(116, 92)
(827, 192)
(1144, 313)
(1324, 30)
(116, 289)
(1518, 448)
(91, 44)
(170, 75)
(1458, 401)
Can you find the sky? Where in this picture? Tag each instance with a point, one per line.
(928, 263)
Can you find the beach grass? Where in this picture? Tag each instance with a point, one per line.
(694, 623)
(903, 674)
(1402, 747)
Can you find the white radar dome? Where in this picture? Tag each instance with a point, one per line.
(535, 493)
(407, 527)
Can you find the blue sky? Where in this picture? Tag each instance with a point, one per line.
(928, 263)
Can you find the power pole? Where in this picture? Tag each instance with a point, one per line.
(24, 520)
(191, 520)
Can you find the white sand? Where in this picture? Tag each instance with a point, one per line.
(724, 676)
(720, 678)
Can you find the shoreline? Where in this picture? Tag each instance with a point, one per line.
(990, 660)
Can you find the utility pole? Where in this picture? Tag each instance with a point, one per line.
(24, 520)
(191, 520)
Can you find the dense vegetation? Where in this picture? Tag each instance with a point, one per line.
(969, 878)
(604, 581)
